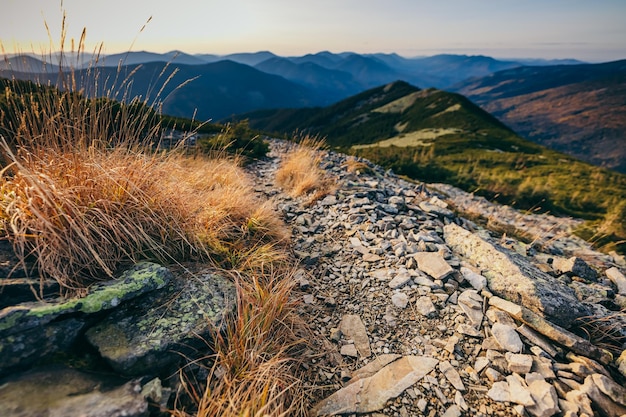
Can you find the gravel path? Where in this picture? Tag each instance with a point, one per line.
(393, 307)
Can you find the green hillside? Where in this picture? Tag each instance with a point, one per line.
(435, 136)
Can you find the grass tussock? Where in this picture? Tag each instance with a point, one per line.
(83, 190)
(254, 370)
(300, 173)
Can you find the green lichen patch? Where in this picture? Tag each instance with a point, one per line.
(140, 279)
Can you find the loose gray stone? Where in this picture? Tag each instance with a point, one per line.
(452, 411)
(433, 264)
(472, 305)
(546, 399)
(518, 391)
(499, 392)
(400, 299)
(519, 363)
(349, 350)
(425, 306)
(400, 280)
(451, 375)
(616, 276)
(477, 281)
(353, 328)
(507, 337)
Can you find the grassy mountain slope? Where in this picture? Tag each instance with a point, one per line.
(576, 109)
(435, 136)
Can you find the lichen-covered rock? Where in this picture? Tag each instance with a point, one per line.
(512, 277)
(61, 392)
(140, 279)
(144, 336)
(31, 331)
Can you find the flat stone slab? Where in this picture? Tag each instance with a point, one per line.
(433, 264)
(353, 328)
(370, 394)
(512, 277)
(143, 337)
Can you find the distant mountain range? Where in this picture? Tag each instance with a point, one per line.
(576, 109)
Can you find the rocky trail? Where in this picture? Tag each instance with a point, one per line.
(408, 301)
(416, 311)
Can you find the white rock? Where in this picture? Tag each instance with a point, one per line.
(400, 280)
(481, 363)
(546, 399)
(353, 328)
(519, 363)
(452, 411)
(507, 337)
(433, 264)
(349, 350)
(425, 306)
(499, 392)
(371, 394)
(400, 299)
(477, 281)
(518, 391)
(472, 305)
(451, 375)
(460, 401)
(616, 276)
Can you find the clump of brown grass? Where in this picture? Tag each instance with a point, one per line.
(300, 172)
(357, 166)
(254, 370)
(83, 191)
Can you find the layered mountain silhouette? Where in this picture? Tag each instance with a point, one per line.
(575, 108)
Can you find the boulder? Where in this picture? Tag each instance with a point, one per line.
(145, 336)
(30, 331)
(514, 278)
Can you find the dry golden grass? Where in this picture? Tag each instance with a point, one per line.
(300, 173)
(254, 370)
(84, 192)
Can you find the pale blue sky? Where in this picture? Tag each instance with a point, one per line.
(592, 30)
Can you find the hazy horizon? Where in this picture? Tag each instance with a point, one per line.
(532, 29)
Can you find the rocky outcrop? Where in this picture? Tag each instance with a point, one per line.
(147, 336)
(33, 330)
(512, 277)
(143, 324)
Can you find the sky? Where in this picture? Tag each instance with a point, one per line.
(593, 31)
